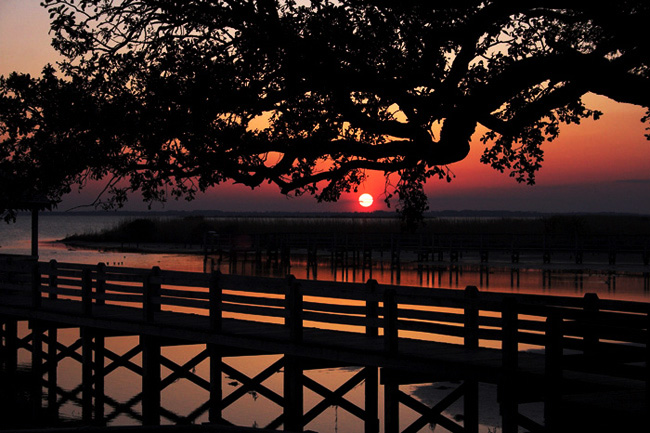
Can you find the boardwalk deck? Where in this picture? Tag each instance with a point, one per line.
(565, 352)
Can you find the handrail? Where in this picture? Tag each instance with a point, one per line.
(599, 330)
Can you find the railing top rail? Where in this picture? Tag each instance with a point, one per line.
(358, 291)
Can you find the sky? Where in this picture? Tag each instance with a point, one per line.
(598, 166)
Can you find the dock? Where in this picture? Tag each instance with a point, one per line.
(585, 359)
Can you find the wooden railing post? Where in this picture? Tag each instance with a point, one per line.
(372, 307)
(100, 284)
(553, 369)
(36, 368)
(215, 302)
(36, 285)
(151, 362)
(390, 322)
(509, 408)
(591, 307)
(53, 281)
(471, 317)
(86, 370)
(510, 344)
(87, 291)
(151, 291)
(294, 309)
(471, 341)
(647, 359)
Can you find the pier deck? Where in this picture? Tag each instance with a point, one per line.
(585, 357)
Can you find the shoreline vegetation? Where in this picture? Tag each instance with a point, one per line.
(176, 230)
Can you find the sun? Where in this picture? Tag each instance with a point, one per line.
(365, 200)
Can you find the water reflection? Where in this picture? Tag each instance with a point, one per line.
(99, 379)
(254, 400)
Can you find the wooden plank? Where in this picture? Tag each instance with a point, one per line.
(253, 284)
(335, 308)
(184, 302)
(252, 300)
(336, 319)
(123, 288)
(63, 291)
(185, 294)
(430, 315)
(120, 297)
(253, 310)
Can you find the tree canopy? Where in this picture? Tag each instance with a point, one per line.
(172, 97)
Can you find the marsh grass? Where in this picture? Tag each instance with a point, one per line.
(192, 229)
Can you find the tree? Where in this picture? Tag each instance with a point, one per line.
(48, 136)
(309, 95)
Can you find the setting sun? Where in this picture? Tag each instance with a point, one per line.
(365, 200)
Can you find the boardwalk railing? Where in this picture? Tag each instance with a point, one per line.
(585, 334)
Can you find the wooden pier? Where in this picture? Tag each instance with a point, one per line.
(584, 359)
(355, 249)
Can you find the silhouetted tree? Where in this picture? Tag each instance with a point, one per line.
(48, 139)
(310, 94)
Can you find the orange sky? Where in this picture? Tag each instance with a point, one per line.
(596, 166)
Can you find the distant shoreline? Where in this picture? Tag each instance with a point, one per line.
(192, 229)
(375, 214)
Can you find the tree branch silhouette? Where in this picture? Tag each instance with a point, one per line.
(177, 91)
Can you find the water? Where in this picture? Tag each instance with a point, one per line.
(628, 281)
(183, 397)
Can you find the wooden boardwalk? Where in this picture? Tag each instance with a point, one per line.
(578, 356)
(353, 249)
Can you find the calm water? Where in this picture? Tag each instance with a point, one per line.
(183, 397)
(629, 281)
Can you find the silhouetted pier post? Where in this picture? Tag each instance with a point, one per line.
(471, 341)
(371, 374)
(591, 308)
(151, 291)
(36, 285)
(391, 402)
(99, 375)
(578, 281)
(52, 376)
(216, 307)
(151, 357)
(216, 391)
(36, 387)
(372, 309)
(293, 394)
(52, 337)
(87, 292)
(86, 374)
(553, 369)
(371, 387)
(510, 353)
(53, 279)
(312, 260)
(546, 278)
(514, 277)
(647, 361)
(390, 322)
(100, 284)
(294, 309)
(484, 275)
